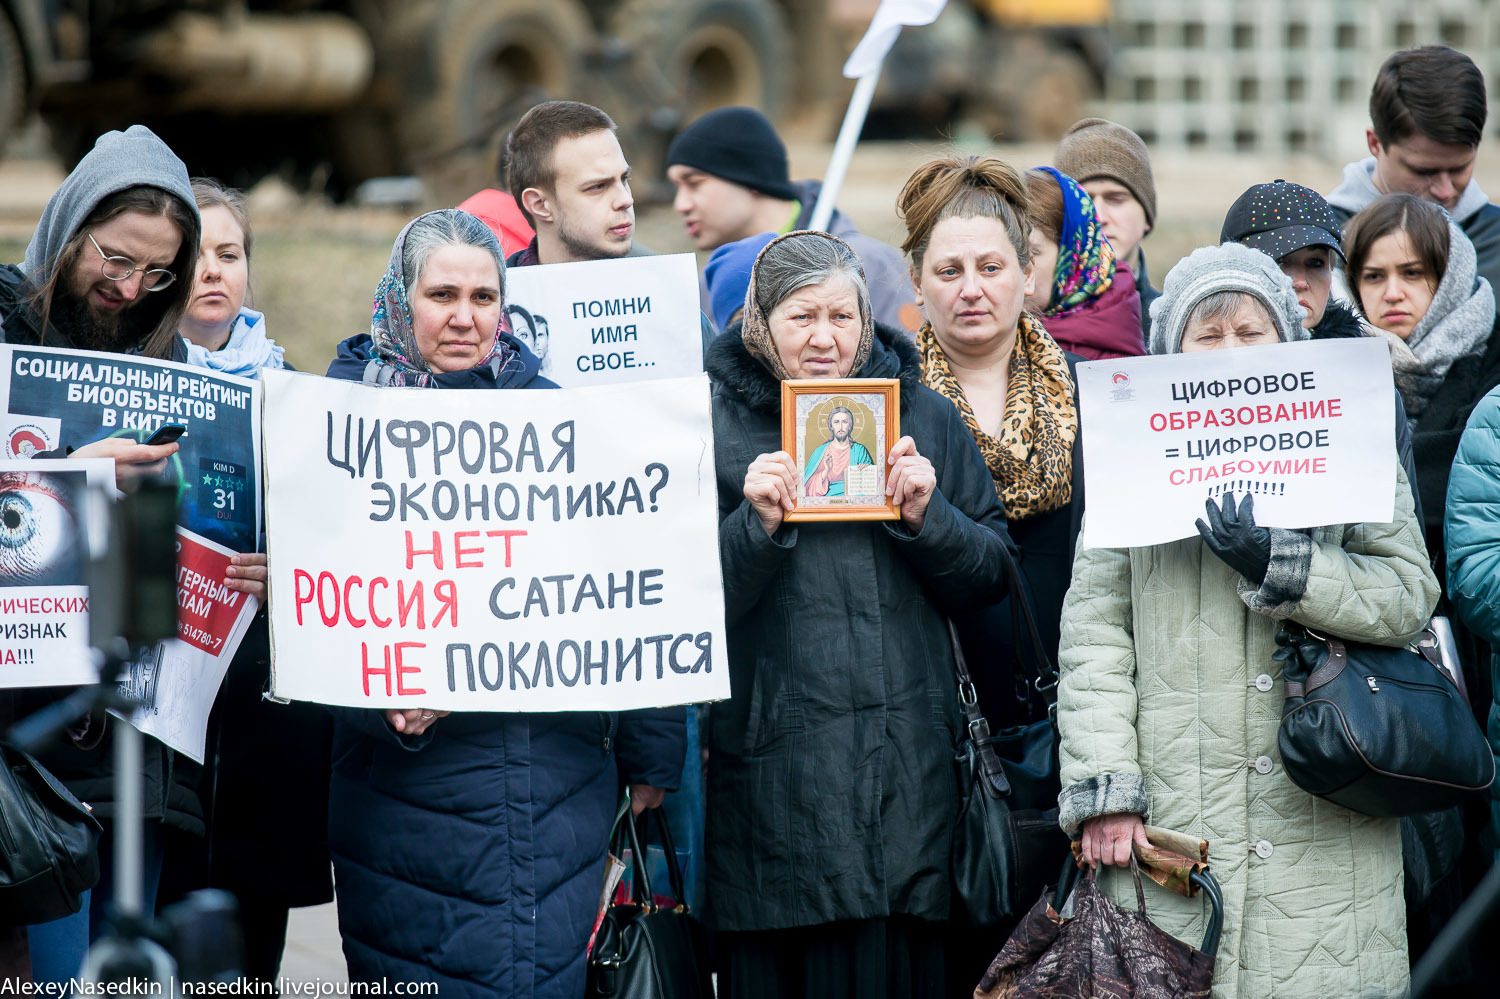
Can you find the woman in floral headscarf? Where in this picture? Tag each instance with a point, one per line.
(468, 848)
(1084, 296)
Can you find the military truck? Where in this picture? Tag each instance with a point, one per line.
(334, 93)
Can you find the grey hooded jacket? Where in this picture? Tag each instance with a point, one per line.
(118, 161)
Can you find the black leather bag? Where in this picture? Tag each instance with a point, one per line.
(1378, 730)
(1007, 840)
(642, 950)
(48, 857)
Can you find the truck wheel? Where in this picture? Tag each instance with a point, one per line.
(689, 57)
(12, 82)
(709, 53)
(492, 61)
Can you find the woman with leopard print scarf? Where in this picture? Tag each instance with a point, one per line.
(967, 238)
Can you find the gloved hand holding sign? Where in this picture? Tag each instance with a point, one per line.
(1232, 535)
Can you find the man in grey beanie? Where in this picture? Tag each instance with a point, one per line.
(1110, 162)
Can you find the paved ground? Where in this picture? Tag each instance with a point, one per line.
(312, 946)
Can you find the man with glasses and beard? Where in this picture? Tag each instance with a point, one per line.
(110, 265)
(109, 269)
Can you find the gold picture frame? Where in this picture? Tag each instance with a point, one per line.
(861, 419)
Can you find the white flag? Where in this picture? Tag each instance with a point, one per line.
(884, 27)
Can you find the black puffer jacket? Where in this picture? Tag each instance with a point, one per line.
(831, 793)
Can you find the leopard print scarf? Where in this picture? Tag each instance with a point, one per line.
(1032, 459)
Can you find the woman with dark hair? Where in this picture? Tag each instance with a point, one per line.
(469, 848)
(831, 792)
(1414, 276)
(1084, 296)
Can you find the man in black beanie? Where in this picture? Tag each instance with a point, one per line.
(730, 171)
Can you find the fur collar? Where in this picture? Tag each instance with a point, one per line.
(735, 370)
(1339, 321)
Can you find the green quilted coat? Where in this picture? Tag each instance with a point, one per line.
(1169, 704)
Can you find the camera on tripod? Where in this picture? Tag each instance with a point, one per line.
(131, 574)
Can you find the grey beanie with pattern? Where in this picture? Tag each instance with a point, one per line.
(1228, 267)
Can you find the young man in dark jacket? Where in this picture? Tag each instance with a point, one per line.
(1427, 114)
(567, 172)
(732, 179)
(109, 269)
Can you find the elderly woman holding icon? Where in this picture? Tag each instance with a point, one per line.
(831, 797)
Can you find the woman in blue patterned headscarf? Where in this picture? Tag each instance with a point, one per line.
(437, 315)
(1085, 297)
(468, 849)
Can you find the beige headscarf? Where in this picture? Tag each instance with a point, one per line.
(756, 330)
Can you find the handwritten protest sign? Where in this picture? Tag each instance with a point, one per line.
(62, 398)
(44, 602)
(493, 551)
(1307, 429)
(601, 322)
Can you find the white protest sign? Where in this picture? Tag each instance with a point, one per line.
(601, 322)
(53, 398)
(493, 551)
(1307, 429)
(44, 602)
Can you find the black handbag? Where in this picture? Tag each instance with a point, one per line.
(642, 950)
(1007, 839)
(1381, 731)
(48, 857)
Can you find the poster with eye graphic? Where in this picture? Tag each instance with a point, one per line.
(44, 623)
(56, 399)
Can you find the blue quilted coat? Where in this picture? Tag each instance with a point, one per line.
(1471, 530)
(472, 855)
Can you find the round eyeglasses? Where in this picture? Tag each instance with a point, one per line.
(119, 268)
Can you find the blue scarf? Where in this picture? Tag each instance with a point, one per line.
(248, 349)
(1085, 260)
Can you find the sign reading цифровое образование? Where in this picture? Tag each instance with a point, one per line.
(1307, 429)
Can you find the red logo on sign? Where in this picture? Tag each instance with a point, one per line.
(26, 441)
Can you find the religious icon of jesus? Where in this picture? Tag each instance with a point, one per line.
(828, 466)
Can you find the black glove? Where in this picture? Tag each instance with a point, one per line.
(1233, 536)
(1299, 654)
